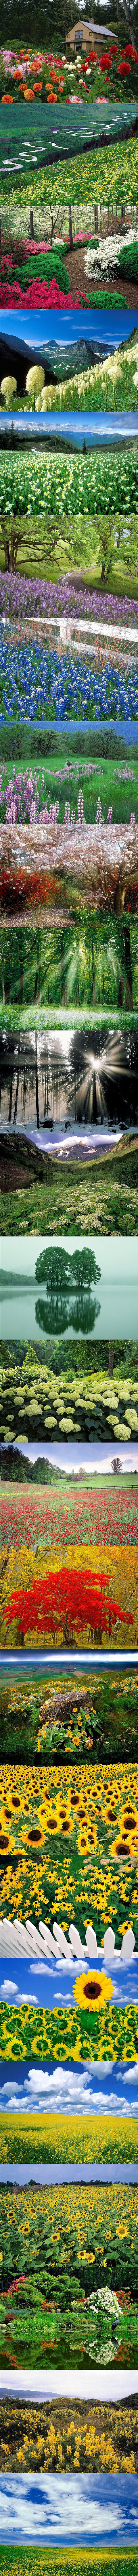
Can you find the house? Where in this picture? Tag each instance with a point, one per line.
(86, 34)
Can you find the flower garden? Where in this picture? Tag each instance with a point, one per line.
(53, 2299)
(43, 74)
(72, 1388)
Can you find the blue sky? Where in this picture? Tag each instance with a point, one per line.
(68, 2173)
(99, 429)
(53, 1986)
(40, 331)
(68, 2510)
(111, 2088)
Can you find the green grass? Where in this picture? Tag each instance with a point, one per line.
(114, 780)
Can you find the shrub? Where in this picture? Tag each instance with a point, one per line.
(128, 260)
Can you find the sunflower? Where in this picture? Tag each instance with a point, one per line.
(93, 1991)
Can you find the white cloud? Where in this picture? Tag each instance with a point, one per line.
(45, 2508)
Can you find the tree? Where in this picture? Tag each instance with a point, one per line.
(116, 1466)
(111, 1359)
(11, 544)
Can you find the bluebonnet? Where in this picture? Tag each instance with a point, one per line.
(36, 680)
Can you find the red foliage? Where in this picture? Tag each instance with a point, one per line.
(69, 1596)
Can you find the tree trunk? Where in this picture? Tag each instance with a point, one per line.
(128, 972)
(21, 957)
(70, 230)
(31, 224)
(111, 1359)
(38, 1096)
(17, 1087)
(36, 1081)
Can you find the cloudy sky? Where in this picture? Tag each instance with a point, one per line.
(70, 1454)
(70, 2510)
(112, 2385)
(72, 2088)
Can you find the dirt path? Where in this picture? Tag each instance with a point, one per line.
(80, 284)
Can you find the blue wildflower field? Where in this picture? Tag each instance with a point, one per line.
(36, 682)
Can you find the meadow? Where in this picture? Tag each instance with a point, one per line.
(66, 782)
(64, 2139)
(52, 2264)
(51, 683)
(107, 178)
(69, 1847)
(98, 1196)
(89, 1592)
(61, 1719)
(64, 1390)
(89, 2437)
(67, 483)
(71, 556)
(83, 384)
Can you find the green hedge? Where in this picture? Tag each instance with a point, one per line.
(46, 265)
(128, 260)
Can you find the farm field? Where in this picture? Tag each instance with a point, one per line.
(92, 2436)
(53, 1604)
(68, 1389)
(60, 1718)
(66, 1849)
(30, 2562)
(99, 1195)
(48, 683)
(64, 484)
(67, 2139)
(71, 556)
(54, 2260)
